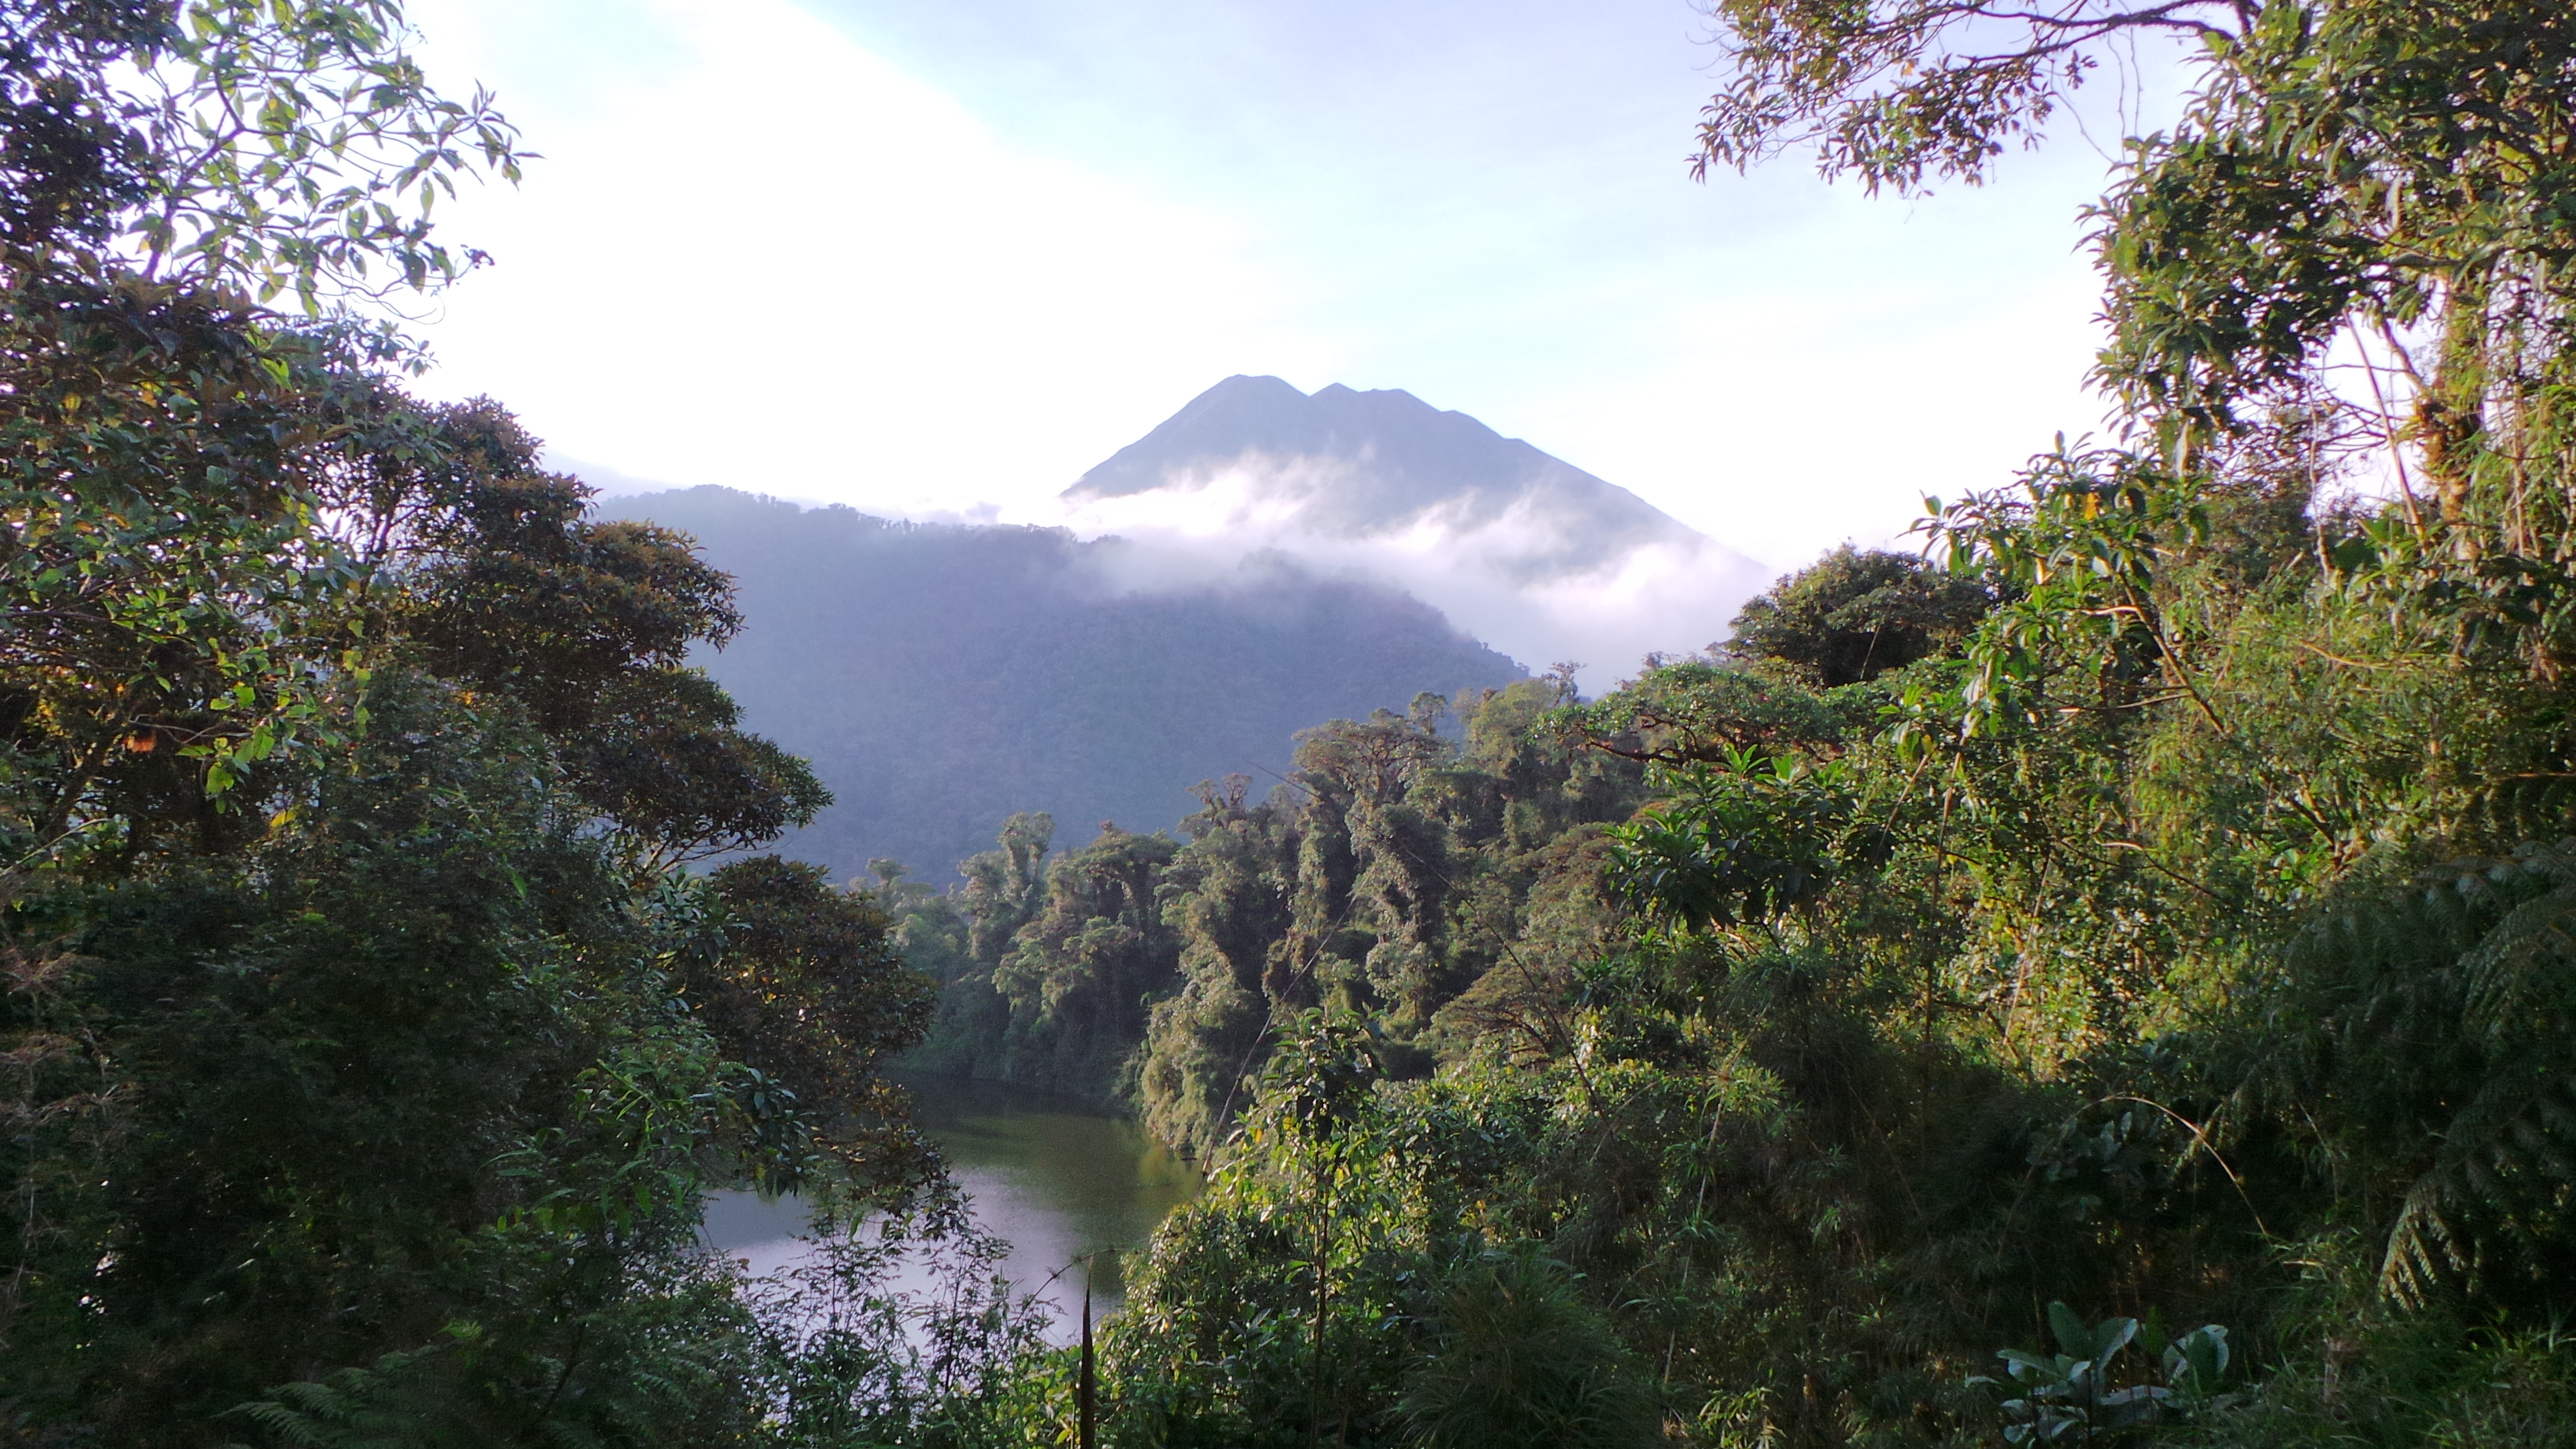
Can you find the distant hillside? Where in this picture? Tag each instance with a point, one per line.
(942, 677)
(1533, 554)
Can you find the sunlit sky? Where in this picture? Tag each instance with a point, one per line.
(944, 257)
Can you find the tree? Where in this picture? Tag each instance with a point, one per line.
(2375, 175)
(266, 148)
(1895, 91)
(369, 1061)
(1853, 616)
(803, 986)
(499, 579)
(172, 592)
(1082, 967)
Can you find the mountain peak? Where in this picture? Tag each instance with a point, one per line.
(1357, 464)
(1545, 559)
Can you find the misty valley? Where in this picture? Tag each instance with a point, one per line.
(1335, 925)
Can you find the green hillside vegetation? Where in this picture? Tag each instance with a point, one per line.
(944, 677)
(2104, 980)
(1399, 866)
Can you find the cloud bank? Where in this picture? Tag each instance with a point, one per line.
(1499, 578)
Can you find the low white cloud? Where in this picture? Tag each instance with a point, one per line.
(611, 482)
(1503, 578)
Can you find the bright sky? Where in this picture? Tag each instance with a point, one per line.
(924, 257)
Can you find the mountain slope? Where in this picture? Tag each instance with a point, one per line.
(1531, 553)
(1401, 463)
(942, 677)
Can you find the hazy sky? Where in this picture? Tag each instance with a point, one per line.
(931, 256)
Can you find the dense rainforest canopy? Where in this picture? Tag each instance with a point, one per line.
(2104, 978)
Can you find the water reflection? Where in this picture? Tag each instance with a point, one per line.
(1055, 1177)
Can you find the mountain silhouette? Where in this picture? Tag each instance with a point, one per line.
(1353, 465)
(1526, 551)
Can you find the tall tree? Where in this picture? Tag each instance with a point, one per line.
(368, 1062)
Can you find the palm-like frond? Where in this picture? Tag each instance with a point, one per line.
(350, 1410)
(2436, 1029)
(2521, 807)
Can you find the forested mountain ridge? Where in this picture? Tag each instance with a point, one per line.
(944, 677)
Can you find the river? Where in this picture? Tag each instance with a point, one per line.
(1056, 1178)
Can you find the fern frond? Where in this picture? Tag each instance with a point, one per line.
(2530, 807)
(2526, 952)
(297, 1425)
(2512, 1108)
(2438, 1020)
(2421, 1248)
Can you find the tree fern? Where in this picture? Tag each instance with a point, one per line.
(359, 1408)
(2435, 1029)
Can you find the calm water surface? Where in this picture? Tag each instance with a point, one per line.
(1056, 1178)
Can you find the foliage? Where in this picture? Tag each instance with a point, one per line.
(2154, 899)
(2172, 918)
(1895, 91)
(2436, 1020)
(798, 983)
(1311, 1238)
(170, 604)
(1396, 870)
(2067, 1397)
(368, 1061)
(1081, 968)
(270, 148)
(848, 1357)
(1685, 710)
(396, 1056)
(1519, 1360)
(1747, 843)
(1853, 616)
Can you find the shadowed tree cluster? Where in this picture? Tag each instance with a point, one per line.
(368, 1057)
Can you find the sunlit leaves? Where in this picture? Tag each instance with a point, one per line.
(1900, 91)
(2074, 555)
(301, 152)
(169, 596)
(1746, 842)
(1701, 710)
